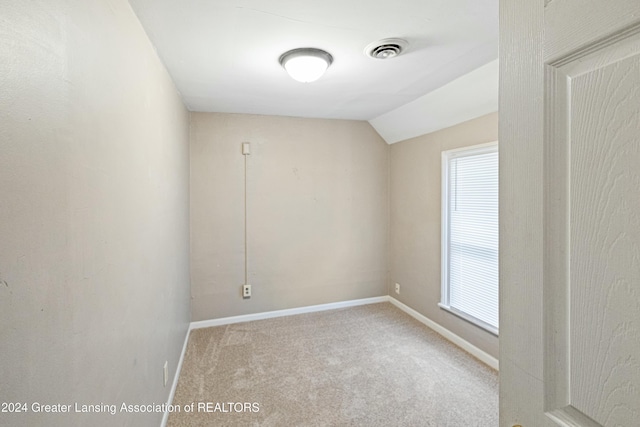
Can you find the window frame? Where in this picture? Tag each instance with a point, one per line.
(445, 219)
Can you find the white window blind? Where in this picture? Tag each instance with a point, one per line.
(470, 234)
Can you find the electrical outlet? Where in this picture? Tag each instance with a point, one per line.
(166, 372)
(246, 291)
(398, 288)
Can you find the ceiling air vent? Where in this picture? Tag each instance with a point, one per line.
(386, 48)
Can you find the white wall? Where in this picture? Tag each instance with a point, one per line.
(415, 218)
(94, 272)
(317, 201)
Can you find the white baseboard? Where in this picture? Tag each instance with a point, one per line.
(460, 342)
(287, 312)
(172, 393)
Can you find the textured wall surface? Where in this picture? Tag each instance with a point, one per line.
(94, 241)
(317, 212)
(415, 227)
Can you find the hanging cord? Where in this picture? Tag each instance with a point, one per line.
(246, 150)
(246, 251)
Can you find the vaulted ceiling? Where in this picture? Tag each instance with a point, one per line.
(223, 57)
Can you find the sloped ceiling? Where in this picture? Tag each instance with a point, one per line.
(472, 95)
(223, 56)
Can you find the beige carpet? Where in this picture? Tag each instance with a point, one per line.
(366, 366)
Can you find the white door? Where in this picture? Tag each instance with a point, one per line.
(570, 213)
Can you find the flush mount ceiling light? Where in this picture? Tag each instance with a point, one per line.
(306, 64)
(386, 48)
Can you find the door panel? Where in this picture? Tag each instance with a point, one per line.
(592, 218)
(605, 243)
(588, 73)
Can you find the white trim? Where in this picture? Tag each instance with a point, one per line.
(444, 232)
(455, 339)
(172, 393)
(445, 219)
(483, 147)
(469, 318)
(460, 342)
(286, 312)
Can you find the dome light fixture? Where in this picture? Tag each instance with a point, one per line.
(306, 64)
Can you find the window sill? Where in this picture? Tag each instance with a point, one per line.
(479, 323)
